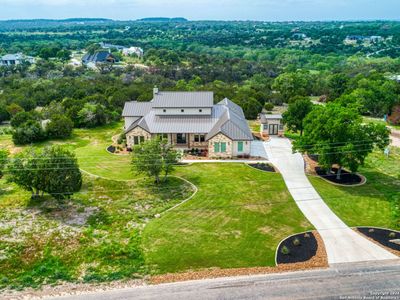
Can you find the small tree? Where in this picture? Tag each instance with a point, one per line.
(53, 170)
(29, 132)
(297, 111)
(338, 136)
(59, 127)
(154, 157)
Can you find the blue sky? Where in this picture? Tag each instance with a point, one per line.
(268, 10)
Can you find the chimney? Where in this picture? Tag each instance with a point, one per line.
(155, 90)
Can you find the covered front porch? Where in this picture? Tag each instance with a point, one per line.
(187, 140)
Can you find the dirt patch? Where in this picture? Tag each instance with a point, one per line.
(389, 239)
(318, 261)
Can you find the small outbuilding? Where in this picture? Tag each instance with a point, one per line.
(271, 124)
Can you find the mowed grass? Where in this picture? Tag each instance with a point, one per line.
(377, 203)
(236, 219)
(90, 146)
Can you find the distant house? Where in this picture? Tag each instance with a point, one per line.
(133, 50)
(353, 39)
(98, 57)
(299, 36)
(124, 50)
(111, 46)
(271, 124)
(189, 120)
(15, 59)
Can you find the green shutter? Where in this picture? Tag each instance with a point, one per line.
(240, 146)
(216, 147)
(223, 147)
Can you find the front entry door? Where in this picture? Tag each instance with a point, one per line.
(273, 129)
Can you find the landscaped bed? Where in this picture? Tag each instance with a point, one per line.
(297, 248)
(346, 178)
(386, 237)
(263, 167)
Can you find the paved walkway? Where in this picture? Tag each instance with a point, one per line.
(342, 244)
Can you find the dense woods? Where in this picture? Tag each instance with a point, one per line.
(253, 63)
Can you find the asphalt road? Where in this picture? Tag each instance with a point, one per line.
(372, 280)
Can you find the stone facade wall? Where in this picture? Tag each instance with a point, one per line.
(136, 132)
(217, 139)
(193, 144)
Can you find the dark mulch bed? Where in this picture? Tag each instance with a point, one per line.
(346, 178)
(304, 251)
(382, 236)
(111, 149)
(263, 167)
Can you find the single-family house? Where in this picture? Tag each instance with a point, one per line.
(15, 59)
(111, 46)
(102, 56)
(271, 124)
(189, 120)
(133, 50)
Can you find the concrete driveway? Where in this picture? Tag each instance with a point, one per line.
(258, 149)
(342, 244)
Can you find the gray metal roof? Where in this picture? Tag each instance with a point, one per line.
(265, 117)
(226, 117)
(183, 99)
(136, 109)
(232, 106)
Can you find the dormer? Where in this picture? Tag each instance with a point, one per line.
(183, 103)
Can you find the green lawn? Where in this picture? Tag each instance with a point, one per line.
(236, 219)
(374, 204)
(90, 148)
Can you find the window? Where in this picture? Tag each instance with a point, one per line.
(136, 140)
(163, 136)
(141, 138)
(200, 110)
(265, 127)
(240, 146)
(220, 147)
(223, 147)
(280, 127)
(199, 138)
(216, 147)
(182, 110)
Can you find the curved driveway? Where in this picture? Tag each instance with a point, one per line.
(341, 242)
